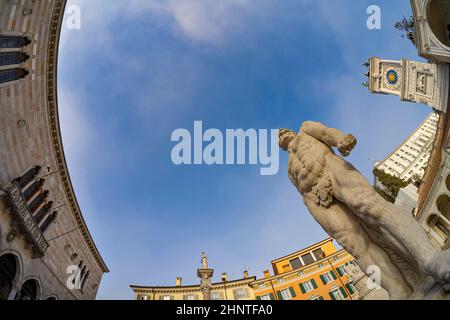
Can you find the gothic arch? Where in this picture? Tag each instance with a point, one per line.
(30, 289)
(10, 273)
(443, 205)
(439, 227)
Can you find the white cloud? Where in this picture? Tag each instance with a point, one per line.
(75, 128)
(204, 21)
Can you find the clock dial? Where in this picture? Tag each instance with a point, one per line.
(392, 78)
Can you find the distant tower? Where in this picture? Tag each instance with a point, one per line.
(412, 81)
(205, 274)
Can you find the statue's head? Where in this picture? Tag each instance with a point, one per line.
(285, 137)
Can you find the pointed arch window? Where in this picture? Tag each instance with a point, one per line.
(40, 215)
(11, 58)
(10, 42)
(48, 221)
(83, 282)
(10, 75)
(37, 201)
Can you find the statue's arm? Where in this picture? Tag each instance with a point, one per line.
(330, 136)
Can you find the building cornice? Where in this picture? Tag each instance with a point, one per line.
(305, 269)
(295, 254)
(186, 289)
(55, 132)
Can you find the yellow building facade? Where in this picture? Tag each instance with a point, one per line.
(226, 290)
(317, 272)
(314, 273)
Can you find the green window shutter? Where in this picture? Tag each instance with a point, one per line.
(280, 296)
(293, 294)
(302, 288)
(339, 272)
(324, 281)
(350, 289)
(343, 292)
(332, 296)
(314, 283)
(258, 298)
(333, 274)
(272, 297)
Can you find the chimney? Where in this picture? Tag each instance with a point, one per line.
(178, 282)
(224, 277)
(266, 274)
(245, 274)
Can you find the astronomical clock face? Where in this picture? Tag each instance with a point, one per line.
(392, 77)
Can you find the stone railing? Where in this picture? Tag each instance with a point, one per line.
(23, 220)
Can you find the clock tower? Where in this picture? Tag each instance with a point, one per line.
(412, 81)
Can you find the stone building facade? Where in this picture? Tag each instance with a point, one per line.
(318, 272)
(427, 83)
(411, 158)
(240, 289)
(46, 250)
(432, 22)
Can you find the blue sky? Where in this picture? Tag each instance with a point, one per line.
(137, 70)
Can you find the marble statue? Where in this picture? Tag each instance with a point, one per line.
(204, 261)
(342, 201)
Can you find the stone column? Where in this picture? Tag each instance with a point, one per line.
(205, 274)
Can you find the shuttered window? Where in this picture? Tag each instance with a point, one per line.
(308, 286)
(338, 294)
(351, 288)
(341, 270)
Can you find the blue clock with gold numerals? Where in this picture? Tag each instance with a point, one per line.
(392, 77)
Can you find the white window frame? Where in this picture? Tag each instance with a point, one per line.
(342, 269)
(308, 286)
(337, 294)
(265, 297)
(286, 294)
(328, 277)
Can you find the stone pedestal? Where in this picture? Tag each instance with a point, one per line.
(205, 276)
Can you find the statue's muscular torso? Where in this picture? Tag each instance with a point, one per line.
(307, 160)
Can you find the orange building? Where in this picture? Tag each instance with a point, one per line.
(314, 273)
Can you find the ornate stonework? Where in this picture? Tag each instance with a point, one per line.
(432, 34)
(412, 81)
(30, 136)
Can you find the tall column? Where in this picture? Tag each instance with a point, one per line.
(205, 274)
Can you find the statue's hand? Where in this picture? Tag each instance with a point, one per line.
(346, 145)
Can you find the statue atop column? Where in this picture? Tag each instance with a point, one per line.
(342, 201)
(205, 274)
(204, 261)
